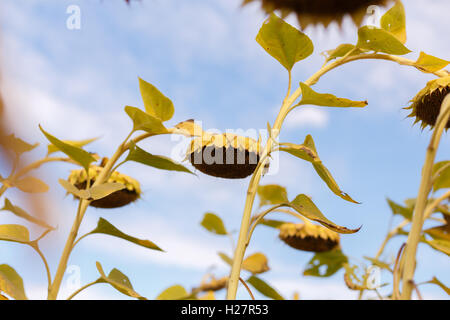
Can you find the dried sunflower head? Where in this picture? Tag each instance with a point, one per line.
(224, 155)
(426, 105)
(308, 237)
(114, 200)
(312, 12)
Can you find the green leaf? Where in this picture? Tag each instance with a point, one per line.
(156, 104)
(77, 154)
(256, 263)
(341, 51)
(272, 223)
(138, 155)
(144, 121)
(11, 283)
(442, 181)
(271, 194)
(325, 264)
(307, 151)
(394, 21)
(16, 145)
(76, 143)
(309, 96)
(396, 208)
(119, 281)
(23, 214)
(379, 40)
(14, 233)
(214, 224)
(264, 288)
(284, 42)
(176, 292)
(104, 227)
(430, 64)
(440, 284)
(225, 258)
(31, 185)
(304, 205)
(440, 245)
(104, 190)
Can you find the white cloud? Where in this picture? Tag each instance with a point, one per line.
(307, 117)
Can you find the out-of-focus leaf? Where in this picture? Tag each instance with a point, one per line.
(31, 185)
(176, 292)
(271, 194)
(394, 21)
(2, 297)
(144, 121)
(189, 128)
(70, 188)
(208, 296)
(380, 264)
(440, 284)
(138, 155)
(304, 205)
(351, 279)
(23, 214)
(256, 263)
(16, 145)
(156, 104)
(307, 151)
(76, 143)
(11, 283)
(442, 181)
(264, 288)
(119, 281)
(14, 233)
(341, 51)
(284, 42)
(105, 189)
(214, 224)
(439, 245)
(325, 264)
(104, 227)
(77, 154)
(272, 223)
(309, 96)
(225, 258)
(396, 208)
(439, 233)
(380, 40)
(428, 64)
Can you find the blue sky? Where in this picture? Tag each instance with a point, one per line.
(202, 55)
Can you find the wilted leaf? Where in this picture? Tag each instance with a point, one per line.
(256, 263)
(23, 214)
(77, 154)
(440, 245)
(341, 51)
(284, 42)
(214, 224)
(104, 227)
(105, 189)
(394, 21)
(156, 104)
(351, 279)
(309, 96)
(14, 233)
(138, 155)
(264, 288)
(379, 40)
(396, 208)
(439, 233)
(440, 284)
(175, 292)
(16, 145)
(11, 283)
(31, 185)
(272, 194)
(272, 223)
(325, 264)
(70, 188)
(225, 258)
(442, 181)
(144, 121)
(76, 143)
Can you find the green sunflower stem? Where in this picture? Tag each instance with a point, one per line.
(421, 202)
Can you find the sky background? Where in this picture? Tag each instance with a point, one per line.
(203, 56)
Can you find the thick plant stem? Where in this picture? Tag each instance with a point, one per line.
(421, 202)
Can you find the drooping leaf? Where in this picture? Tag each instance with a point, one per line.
(77, 154)
(31, 185)
(225, 258)
(16, 145)
(428, 64)
(307, 151)
(144, 121)
(160, 162)
(439, 245)
(440, 284)
(104, 227)
(105, 189)
(272, 223)
(442, 180)
(284, 42)
(213, 223)
(76, 143)
(325, 264)
(264, 288)
(156, 104)
(271, 194)
(119, 281)
(23, 214)
(304, 205)
(14, 233)
(341, 51)
(396, 208)
(394, 21)
(256, 263)
(380, 40)
(176, 292)
(11, 283)
(309, 96)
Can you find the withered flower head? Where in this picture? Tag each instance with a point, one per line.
(312, 12)
(308, 237)
(224, 155)
(114, 200)
(426, 105)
